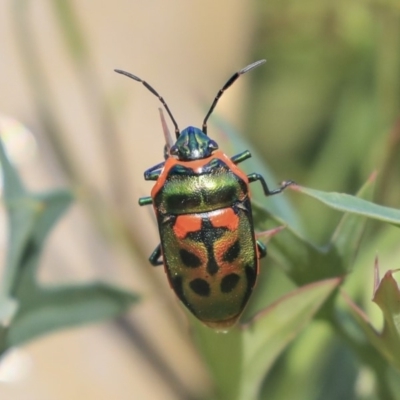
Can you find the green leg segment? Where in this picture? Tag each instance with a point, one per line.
(153, 173)
(257, 177)
(156, 257)
(145, 201)
(238, 158)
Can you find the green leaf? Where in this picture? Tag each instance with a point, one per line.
(41, 309)
(223, 353)
(52, 206)
(347, 236)
(274, 328)
(26, 308)
(240, 358)
(303, 261)
(12, 185)
(8, 308)
(30, 218)
(62, 307)
(351, 204)
(21, 221)
(49, 208)
(387, 297)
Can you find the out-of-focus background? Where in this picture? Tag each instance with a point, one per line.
(323, 111)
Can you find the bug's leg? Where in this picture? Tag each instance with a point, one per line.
(257, 177)
(238, 158)
(262, 249)
(156, 257)
(153, 173)
(145, 201)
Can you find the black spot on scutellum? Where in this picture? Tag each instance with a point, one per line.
(189, 259)
(200, 287)
(229, 282)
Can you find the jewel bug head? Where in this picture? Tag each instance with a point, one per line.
(193, 144)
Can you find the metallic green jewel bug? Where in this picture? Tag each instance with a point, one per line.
(201, 200)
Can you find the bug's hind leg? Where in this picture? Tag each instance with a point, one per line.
(156, 257)
(257, 177)
(262, 249)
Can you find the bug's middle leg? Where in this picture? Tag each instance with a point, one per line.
(156, 257)
(153, 173)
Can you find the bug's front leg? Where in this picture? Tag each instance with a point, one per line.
(257, 177)
(156, 257)
(153, 173)
(238, 158)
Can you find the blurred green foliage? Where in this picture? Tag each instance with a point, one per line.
(27, 308)
(325, 109)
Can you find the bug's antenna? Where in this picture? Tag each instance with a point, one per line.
(169, 142)
(147, 86)
(228, 84)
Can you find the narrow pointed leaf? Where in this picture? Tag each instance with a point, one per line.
(20, 210)
(270, 332)
(26, 308)
(63, 307)
(53, 205)
(303, 261)
(347, 203)
(347, 236)
(8, 309)
(387, 297)
(12, 185)
(240, 358)
(223, 353)
(21, 222)
(30, 220)
(371, 333)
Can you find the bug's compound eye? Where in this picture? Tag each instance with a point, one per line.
(174, 150)
(212, 145)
